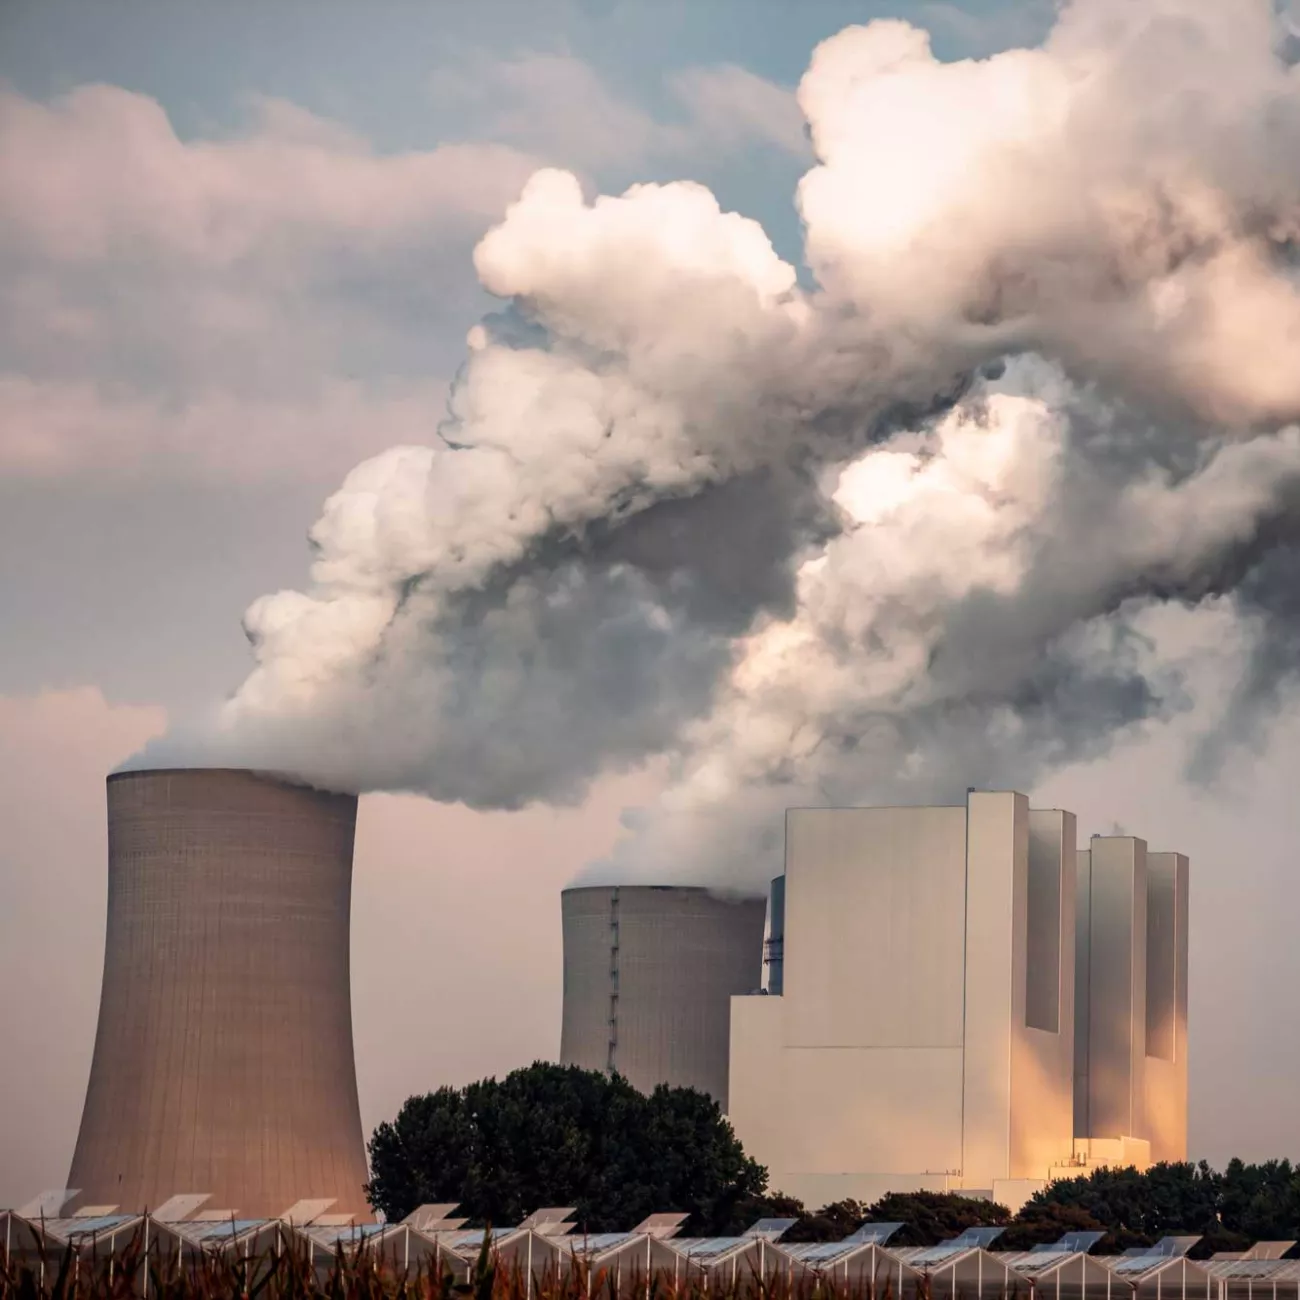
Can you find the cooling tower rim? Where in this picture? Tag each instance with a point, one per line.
(269, 778)
(667, 889)
(719, 892)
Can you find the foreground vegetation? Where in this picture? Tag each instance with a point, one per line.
(557, 1135)
(291, 1276)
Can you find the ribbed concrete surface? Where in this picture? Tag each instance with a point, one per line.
(649, 973)
(223, 1058)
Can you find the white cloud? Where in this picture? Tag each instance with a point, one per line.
(101, 171)
(561, 108)
(273, 302)
(732, 107)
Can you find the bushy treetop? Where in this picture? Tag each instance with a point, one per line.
(559, 1135)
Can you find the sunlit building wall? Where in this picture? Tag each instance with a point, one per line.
(924, 1035)
(1131, 1010)
(1165, 1067)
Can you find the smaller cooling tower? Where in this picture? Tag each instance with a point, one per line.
(649, 973)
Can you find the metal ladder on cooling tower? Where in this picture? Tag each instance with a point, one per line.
(612, 1053)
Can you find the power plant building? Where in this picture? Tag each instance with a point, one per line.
(649, 974)
(1130, 1086)
(223, 1061)
(958, 999)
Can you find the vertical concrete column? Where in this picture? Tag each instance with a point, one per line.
(1111, 987)
(1042, 1097)
(1082, 988)
(997, 878)
(1165, 1066)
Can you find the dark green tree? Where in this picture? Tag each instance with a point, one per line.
(932, 1217)
(559, 1135)
(1261, 1202)
(830, 1223)
(1139, 1208)
(1044, 1221)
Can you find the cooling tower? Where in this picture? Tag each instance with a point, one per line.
(223, 1057)
(649, 973)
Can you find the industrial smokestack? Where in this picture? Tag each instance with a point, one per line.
(649, 973)
(223, 1058)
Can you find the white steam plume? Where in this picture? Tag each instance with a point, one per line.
(884, 538)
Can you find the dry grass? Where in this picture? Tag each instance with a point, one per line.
(290, 1274)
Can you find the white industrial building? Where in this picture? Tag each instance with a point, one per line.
(958, 999)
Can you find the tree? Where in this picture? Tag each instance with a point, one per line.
(559, 1135)
(1044, 1221)
(1139, 1208)
(1261, 1202)
(830, 1223)
(931, 1217)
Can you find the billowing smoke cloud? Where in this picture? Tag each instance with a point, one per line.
(881, 538)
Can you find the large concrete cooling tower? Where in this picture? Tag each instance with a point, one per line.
(223, 1058)
(648, 977)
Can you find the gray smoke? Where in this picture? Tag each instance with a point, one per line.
(882, 539)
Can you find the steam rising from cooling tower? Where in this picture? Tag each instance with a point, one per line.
(854, 541)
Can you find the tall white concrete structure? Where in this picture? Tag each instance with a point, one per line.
(1130, 1098)
(924, 1036)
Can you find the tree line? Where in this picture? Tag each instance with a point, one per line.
(559, 1135)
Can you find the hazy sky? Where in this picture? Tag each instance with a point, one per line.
(176, 403)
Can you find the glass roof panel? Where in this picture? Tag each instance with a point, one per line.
(1248, 1267)
(1080, 1242)
(1129, 1264)
(1038, 1260)
(939, 1254)
(770, 1229)
(83, 1227)
(984, 1237)
(822, 1251)
(877, 1233)
(704, 1248)
(215, 1229)
(607, 1240)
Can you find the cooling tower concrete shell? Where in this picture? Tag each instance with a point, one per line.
(223, 1058)
(649, 973)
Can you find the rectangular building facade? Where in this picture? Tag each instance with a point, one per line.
(924, 1031)
(1131, 1011)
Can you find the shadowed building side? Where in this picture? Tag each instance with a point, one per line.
(649, 972)
(223, 1056)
